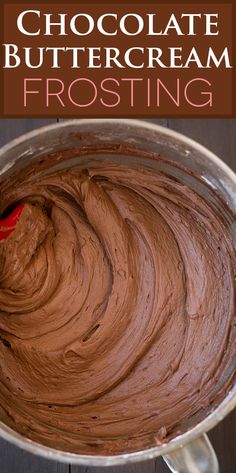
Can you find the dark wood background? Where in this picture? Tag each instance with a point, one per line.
(220, 137)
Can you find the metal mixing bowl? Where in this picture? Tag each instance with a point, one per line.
(190, 452)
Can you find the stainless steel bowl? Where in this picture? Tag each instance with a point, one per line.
(190, 452)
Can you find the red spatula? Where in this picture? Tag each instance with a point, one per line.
(8, 224)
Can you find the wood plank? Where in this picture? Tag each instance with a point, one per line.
(10, 129)
(216, 134)
(223, 438)
(14, 460)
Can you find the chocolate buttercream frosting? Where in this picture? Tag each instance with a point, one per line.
(117, 324)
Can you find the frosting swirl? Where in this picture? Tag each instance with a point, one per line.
(118, 310)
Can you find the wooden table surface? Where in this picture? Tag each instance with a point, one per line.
(220, 137)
